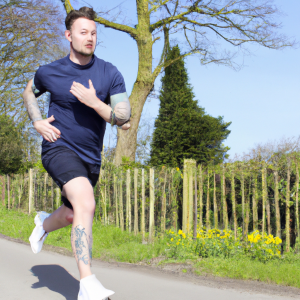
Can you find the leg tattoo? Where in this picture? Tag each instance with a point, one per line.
(81, 244)
(91, 248)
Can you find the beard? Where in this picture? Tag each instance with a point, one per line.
(83, 53)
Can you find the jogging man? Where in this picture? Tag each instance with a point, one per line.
(81, 86)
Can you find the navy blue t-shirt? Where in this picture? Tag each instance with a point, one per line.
(82, 129)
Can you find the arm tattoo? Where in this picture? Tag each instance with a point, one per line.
(32, 106)
(81, 245)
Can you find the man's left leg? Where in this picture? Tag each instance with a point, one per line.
(60, 218)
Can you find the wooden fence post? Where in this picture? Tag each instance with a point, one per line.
(143, 205)
(116, 200)
(263, 178)
(277, 210)
(207, 203)
(8, 191)
(216, 225)
(136, 216)
(233, 204)
(287, 213)
(3, 189)
(52, 195)
(163, 204)
(58, 197)
(121, 202)
(151, 210)
(30, 196)
(243, 200)
(128, 201)
(200, 174)
(225, 212)
(254, 204)
(195, 207)
(45, 191)
(297, 200)
(188, 195)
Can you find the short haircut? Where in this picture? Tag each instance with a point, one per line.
(83, 12)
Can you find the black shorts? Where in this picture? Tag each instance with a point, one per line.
(63, 164)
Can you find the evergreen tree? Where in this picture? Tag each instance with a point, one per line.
(182, 128)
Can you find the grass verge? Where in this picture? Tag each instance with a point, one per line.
(110, 243)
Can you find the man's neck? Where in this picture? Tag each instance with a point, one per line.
(78, 58)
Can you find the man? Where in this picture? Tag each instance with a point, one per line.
(80, 85)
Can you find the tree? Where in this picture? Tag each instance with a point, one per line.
(201, 23)
(182, 129)
(30, 36)
(11, 150)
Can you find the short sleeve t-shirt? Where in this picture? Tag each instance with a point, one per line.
(82, 129)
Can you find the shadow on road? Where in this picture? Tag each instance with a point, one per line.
(56, 279)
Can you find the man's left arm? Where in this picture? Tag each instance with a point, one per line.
(119, 112)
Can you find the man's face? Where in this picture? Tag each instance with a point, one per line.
(83, 36)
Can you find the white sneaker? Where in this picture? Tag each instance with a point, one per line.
(35, 239)
(92, 289)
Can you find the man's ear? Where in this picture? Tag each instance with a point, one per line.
(68, 35)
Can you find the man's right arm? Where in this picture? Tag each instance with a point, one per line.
(31, 103)
(43, 127)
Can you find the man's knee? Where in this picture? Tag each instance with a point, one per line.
(85, 205)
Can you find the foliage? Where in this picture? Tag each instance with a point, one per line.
(221, 243)
(30, 36)
(11, 146)
(182, 129)
(208, 28)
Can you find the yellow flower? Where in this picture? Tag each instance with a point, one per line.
(180, 231)
(177, 243)
(183, 235)
(177, 169)
(172, 239)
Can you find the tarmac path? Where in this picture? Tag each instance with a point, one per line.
(48, 275)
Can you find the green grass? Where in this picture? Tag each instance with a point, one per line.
(110, 243)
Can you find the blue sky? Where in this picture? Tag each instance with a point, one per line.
(261, 100)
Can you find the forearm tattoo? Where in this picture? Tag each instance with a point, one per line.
(32, 107)
(81, 244)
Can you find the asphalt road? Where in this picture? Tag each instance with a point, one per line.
(48, 275)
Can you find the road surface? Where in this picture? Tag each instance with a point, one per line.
(49, 275)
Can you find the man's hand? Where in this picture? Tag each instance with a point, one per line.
(84, 95)
(46, 130)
